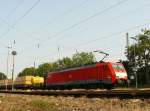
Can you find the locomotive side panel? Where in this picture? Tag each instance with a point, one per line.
(74, 76)
(98, 74)
(83, 76)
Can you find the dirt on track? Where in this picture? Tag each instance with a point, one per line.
(14, 102)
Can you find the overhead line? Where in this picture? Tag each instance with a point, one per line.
(63, 14)
(14, 9)
(132, 11)
(19, 19)
(5, 22)
(110, 35)
(72, 26)
(86, 19)
(68, 11)
(11, 27)
(27, 12)
(113, 34)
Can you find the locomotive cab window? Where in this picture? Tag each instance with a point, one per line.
(118, 66)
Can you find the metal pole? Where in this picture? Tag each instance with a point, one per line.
(135, 66)
(13, 53)
(59, 52)
(127, 40)
(136, 81)
(127, 51)
(7, 66)
(127, 44)
(34, 69)
(13, 73)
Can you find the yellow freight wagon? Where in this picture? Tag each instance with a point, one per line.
(37, 81)
(23, 82)
(4, 82)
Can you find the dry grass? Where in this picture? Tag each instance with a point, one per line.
(41, 105)
(10, 102)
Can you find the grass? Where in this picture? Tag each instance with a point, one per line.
(12, 102)
(41, 105)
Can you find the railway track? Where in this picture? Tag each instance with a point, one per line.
(120, 93)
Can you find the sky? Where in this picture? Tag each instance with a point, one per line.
(41, 27)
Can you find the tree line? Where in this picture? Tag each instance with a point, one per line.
(78, 59)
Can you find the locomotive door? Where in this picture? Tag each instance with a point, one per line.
(103, 72)
(106, 74)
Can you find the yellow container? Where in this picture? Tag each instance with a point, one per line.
(24, 80)
(37, 80)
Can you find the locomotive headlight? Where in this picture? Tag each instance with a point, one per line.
(121, 75)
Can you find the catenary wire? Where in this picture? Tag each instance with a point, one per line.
(81, 21)
(32, 35)
(63, 14)
(19, 19)
(131, 12)
(14, 9)
(103, 37)
(84, 20)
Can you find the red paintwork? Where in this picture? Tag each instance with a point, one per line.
(96, 72)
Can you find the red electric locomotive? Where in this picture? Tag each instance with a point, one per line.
(104, 74)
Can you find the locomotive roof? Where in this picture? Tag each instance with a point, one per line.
(80, 67)
(74, 68)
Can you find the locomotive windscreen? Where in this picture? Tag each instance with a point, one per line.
(119, 70)
(118, 67)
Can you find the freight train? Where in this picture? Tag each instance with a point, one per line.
(101, 74)
(24, 82)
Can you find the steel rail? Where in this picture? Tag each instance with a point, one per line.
(125, 94)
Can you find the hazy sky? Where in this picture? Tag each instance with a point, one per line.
(40, 27)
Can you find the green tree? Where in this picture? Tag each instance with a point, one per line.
(2, 76)
(83, 58)
(43, 69)
(55, 66)
(66, 62)
(139, 56)
(78, 59)
(27, 72)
